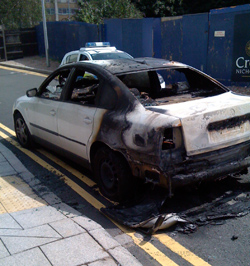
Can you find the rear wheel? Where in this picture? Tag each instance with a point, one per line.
(22, 131)
(112, 173)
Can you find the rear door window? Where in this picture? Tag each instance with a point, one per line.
(71, 58)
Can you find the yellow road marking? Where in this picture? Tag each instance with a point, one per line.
(16, 195)
(152, 250)
(146, 246)
(8, 130)
(180, 250)
(24, 71)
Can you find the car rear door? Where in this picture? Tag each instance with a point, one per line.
(76, 114)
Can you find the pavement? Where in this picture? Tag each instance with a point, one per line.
(36, 227)
(33, 63)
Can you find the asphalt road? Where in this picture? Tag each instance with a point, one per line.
(218, 241)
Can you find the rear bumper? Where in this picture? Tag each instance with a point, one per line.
(210, 173)
(197, 168)
(212, 165)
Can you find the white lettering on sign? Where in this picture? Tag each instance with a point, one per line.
(219, 33)
(242, 63)
(243, 71)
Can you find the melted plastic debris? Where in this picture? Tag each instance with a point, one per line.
(145, 215)
(184, 213)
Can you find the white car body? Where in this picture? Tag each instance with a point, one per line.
(172, 137)
(94, 51)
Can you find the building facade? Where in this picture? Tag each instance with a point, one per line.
(59, 10)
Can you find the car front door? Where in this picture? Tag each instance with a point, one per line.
(43, 112)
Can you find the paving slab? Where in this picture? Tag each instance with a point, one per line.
(2, 209)
(33, 182)
(16, 195)
(2, 159)
(67, 210)
(104, 238)
(6, 169)
(67, 228)
(15, 163)
(45, 231)
(15, 186)
(20, 240)
(37, 216)
(124, 239)
(87, 223)
(41, 189)
(103, 262)
(32, 257)
(3, 148)
(3, 251)
(27, 176)
(124, 257)
(7, 222)
(51, 198)
(76, 250)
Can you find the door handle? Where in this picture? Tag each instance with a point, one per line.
(87, 120)
(52, 112)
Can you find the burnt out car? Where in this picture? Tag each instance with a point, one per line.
(115, 118)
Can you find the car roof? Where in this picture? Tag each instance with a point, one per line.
(95, 50)
(98, 49)
(133, 65)
(122, 66)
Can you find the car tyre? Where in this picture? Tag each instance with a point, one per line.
(22, 132)
(113, 174)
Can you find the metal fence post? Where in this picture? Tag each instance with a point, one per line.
(4, 42)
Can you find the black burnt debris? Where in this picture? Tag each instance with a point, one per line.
(209, 204)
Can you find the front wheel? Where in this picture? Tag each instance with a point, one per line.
(112, 173)
(22, 131)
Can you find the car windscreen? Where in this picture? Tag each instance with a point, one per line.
(107, 56)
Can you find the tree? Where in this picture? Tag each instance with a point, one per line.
(20, 13)
(199, 6)
(163, 8)
(96, 11)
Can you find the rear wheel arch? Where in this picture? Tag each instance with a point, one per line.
(97, 145)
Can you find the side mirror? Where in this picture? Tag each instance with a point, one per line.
(31, 92)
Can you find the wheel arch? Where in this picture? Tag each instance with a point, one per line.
(15, 112)
(97, 145)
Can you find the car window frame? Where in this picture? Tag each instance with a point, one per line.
(70, 55)
(52, 76)
(83, 53)
(103, 81)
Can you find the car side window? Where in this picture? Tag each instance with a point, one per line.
(83, 57)
(71, 58)
(53, 89)
(84, 88)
